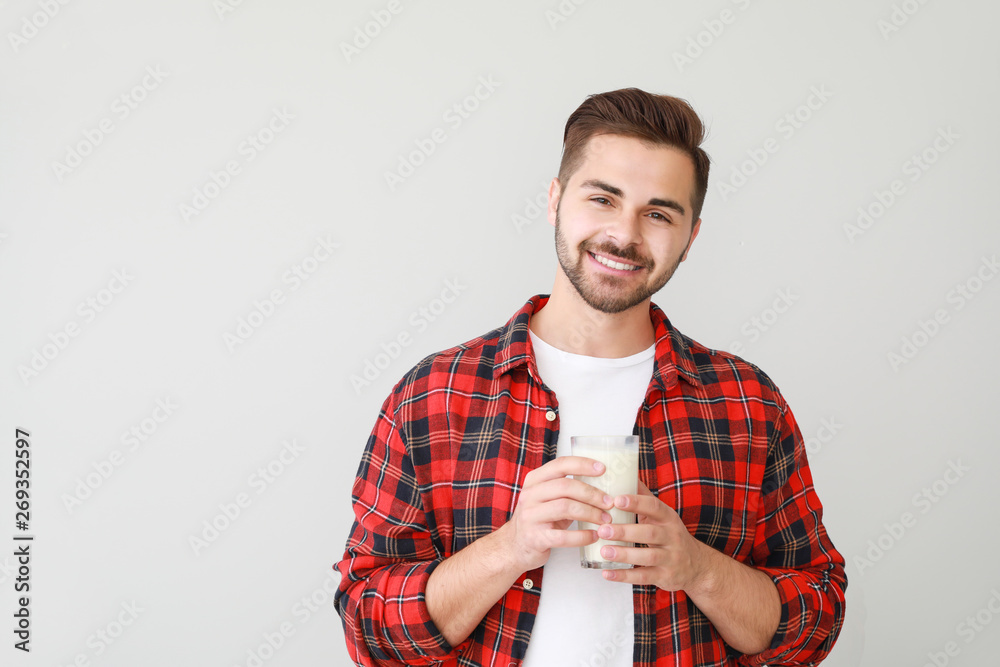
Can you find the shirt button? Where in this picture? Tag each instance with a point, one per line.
(528, 583)
(550, 415)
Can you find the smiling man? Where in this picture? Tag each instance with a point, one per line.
(464, 549)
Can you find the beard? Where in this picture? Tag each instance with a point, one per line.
(604, 292)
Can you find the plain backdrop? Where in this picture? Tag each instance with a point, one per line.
(210, 284)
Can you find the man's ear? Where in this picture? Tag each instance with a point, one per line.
(694, 235)
(555, 192)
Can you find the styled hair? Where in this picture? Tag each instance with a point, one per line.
(656, 119)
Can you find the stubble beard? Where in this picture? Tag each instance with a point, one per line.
(610, 296)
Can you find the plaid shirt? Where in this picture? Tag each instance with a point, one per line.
(456, 437)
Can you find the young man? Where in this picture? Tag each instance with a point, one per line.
(463, 549)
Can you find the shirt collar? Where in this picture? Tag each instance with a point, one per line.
(672, 358)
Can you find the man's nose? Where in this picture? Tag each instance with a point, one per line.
(625, 228)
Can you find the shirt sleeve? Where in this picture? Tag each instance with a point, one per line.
(792, 547)
(388, 559)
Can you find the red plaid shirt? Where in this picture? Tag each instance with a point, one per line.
(456, 437)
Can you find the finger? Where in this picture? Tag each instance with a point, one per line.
(571, 538)
(562, 509)
(640, 533)
(575, 489)
(638, 556)
(646, 506)
(636, 575)
(562, 466)
(644, 490)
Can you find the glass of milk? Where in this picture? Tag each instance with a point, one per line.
(620, 456)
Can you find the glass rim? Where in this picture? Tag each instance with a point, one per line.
(624, 438)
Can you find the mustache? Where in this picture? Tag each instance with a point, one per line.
(626, 254)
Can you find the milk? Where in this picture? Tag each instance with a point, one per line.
(620, 456)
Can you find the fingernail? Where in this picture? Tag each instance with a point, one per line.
(606, 518)
(608, 500)
(598, 466)
(621, 501)
(604, 532)
(608, 552)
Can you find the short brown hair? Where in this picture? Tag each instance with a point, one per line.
(656, 119)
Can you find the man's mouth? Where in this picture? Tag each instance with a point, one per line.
(611, 264)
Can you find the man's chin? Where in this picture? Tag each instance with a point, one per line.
(613, 305)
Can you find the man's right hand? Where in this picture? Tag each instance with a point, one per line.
(463, 588)
(549, 502)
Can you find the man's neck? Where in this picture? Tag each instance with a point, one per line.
(568, 323)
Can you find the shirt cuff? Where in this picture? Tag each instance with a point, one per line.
(800, 633)
(406, 613)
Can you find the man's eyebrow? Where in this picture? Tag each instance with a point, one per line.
(596, 184)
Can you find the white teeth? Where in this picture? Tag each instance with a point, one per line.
(615, 265)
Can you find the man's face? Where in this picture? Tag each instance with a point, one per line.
(623, 221)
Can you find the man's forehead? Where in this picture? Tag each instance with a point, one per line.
(612, 159)
(598, 143)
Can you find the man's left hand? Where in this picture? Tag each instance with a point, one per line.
(674, 559)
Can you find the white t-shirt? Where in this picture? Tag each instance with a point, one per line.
(583, 620)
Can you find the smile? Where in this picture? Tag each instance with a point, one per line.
(614, 265)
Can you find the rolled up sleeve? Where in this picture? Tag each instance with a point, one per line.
(793, 548)
(388, 560)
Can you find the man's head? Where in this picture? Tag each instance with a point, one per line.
(627, 201)
(655, 119)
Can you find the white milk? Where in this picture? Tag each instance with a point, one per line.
(620, 456)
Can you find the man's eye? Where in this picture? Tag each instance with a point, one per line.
(660, 216)
(602, 200)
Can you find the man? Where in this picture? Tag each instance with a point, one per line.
(464, 549)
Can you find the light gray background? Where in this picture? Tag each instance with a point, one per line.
(890, 431)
